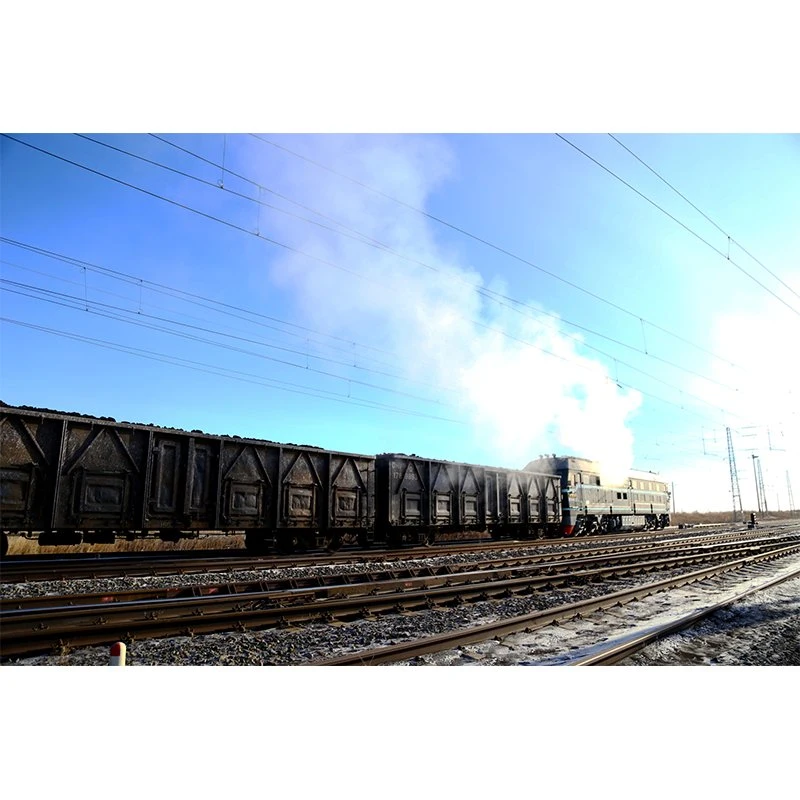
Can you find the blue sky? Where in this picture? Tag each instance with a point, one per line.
(386, 345)
(417, 67)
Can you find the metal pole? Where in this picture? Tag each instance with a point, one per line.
(755, 476)
(763, 490)
(735, 493)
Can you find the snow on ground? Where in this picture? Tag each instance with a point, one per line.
(763, 629)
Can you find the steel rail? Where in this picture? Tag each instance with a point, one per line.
(31, 570)
(561, 561)
(28, 632)
(16, 570)
(622, 649)
(534, 620)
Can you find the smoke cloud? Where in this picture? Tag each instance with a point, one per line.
(520, 382)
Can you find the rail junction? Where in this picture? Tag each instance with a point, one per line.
(378, 588)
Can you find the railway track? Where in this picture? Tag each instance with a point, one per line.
(32, 629)
(604, 655)
(16, 569)
(621, 649)
(563, 561)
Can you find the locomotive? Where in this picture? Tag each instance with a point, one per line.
(588, 506)
(74, 478)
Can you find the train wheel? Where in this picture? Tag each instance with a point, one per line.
(363, 540)
(394, 539)
(256, 542)
(333, 542)
(305, 541)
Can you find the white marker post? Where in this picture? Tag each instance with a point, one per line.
(118, 651)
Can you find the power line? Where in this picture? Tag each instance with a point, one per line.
(229, 373)
(682, 224)
(702, 213)
(204, 327)
(325, 261)
(82, 304)
(489, 294)
(79, 305)
(134, 280)
(499, 249)
(332, 264)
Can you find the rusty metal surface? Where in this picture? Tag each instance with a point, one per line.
(62, 473)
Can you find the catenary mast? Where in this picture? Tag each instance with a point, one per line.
(736, 494)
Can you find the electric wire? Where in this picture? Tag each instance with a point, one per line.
(295, 249)
(682, 224)
(78, 304)
(205, 328)
(702, 213)
(502, 250)
(492, 295)
(489, 294)
(223, 372)
(81, 304)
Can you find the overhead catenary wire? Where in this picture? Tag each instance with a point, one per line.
(679, 222)
(224, 308)
(77, 304)
(703, 214)
(132, 279)
(139, 312)
(294, 249)
(235, 374)
(500, 249)
(489, 294)
(166, 289)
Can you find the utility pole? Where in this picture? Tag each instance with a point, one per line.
(761, 487)
(736, 494)
(755, 474)
(789, 487)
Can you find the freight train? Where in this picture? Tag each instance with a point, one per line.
(73, 478)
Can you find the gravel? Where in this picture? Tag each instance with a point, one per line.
(777, 618)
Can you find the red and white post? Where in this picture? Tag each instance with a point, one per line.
(118, 653)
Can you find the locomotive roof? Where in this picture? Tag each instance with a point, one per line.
(560, 462)
(587, 465)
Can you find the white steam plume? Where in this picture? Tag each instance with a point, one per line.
(520, 400)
